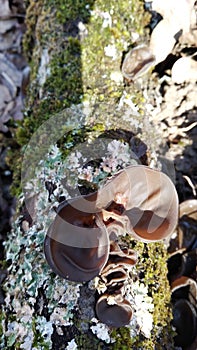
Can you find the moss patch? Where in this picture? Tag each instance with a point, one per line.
(152, 270)
(84, 67)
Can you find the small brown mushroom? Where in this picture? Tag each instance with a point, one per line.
(137, 200)
(77, 245)
(114, 310)
(150, 201)
(119, 264)
(120, 257)
(137, 62)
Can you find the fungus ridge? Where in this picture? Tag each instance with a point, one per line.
(82, 242)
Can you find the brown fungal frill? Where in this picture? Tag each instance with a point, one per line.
(149, 200)
(115, 311)
(76, 246)
(82, 241)
(186, 238)
(112, 308)
(137, 62)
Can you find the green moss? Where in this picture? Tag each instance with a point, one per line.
(60, 90)
(152, 270)
(62, 87)
(126, 17)
(33, 10)
(78, 69)
(39, 340)
(123, 339)
(155, 276)
(81, 71)
(64, 83)
(89, 342)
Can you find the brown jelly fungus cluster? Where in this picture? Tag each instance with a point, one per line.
(82, 241)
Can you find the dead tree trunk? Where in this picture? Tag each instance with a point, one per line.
(78, 110)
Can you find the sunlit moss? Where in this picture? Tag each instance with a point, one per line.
(80, 70)
(152, 270)
(123, 341)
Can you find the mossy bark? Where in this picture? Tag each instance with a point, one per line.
(75, 49)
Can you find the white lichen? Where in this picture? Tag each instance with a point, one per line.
(29, 272)
(110, 51)
(101, 330)
(71, 345)
(142, 304)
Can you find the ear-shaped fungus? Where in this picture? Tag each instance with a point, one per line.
(137, 62)
(149, 199)
(77, 246)
(112, 308)
(119, 263)
(116, 312)
(81, 242)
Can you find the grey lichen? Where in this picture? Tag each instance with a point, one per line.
(83, 74)
(31, 285)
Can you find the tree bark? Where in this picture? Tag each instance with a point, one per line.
(77, 96)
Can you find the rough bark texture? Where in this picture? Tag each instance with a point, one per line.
(75, 51)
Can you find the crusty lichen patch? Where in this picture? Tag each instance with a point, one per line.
(82, 49)
(37, 301)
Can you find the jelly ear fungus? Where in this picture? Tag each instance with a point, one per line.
(77, 245)
(82, 241)
(149, 201)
